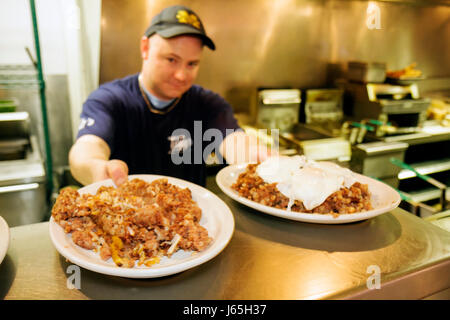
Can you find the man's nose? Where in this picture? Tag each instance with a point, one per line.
(181, 74)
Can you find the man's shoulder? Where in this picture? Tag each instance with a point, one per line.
(198, 92)
(116, 88)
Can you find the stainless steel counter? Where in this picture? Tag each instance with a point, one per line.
(267, 258)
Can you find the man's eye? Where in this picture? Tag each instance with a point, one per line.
(171, 60)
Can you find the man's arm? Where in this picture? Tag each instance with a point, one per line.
(240, 147)
(89, 161)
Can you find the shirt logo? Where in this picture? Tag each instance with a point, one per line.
(86, 122)
(189, 18)
(179, 143)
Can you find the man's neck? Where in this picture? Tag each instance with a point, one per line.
(158, 103)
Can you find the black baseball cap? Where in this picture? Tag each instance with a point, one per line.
(178, 20)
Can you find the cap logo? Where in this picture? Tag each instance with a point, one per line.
(184, 17)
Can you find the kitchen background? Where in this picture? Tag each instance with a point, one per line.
(260, 43)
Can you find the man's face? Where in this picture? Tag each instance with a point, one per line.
(170, 66)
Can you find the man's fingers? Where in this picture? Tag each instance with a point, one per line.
(118, 171)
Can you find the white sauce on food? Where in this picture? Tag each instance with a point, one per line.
(308, 181)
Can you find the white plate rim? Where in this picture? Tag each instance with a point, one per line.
(66, 248)
(4, 238)
(235, 169)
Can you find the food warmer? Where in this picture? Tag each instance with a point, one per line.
(322, 106)
(276, 108)
(399, 105)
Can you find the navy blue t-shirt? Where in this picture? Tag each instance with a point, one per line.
(174, 144)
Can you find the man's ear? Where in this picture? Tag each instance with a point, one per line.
(145, 45)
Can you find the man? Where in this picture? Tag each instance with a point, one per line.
(149, 123)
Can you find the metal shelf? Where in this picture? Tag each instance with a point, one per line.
(425, 168)
(17, 67)
(31, 76)
(31, 84)
(428, 194)
(19, 77)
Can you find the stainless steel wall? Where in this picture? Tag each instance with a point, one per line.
(287, 43)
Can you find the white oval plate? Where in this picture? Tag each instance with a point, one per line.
(216, 218)
(383, 198)
(4, 238)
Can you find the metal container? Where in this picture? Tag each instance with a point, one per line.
(323, 105)
(401, 106)
(22, 189)
(278, 108)
(317, 144)
(14, 125)
(23, 196)
(366, 72)
(327, 149)
(23, 203)
(373, 159)
(13, 149)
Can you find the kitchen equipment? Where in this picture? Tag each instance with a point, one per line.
(354, 131)
(277, 108)
(384, 161)
(404, 81)
(365, 72)
(402, 106)
(13, 149)
(417, 208)
(318, 145)
(14, 140)
(14, 125)
(373, 159)
(323, 105)
(442, 187)
(428, 153)
(327, 149)
(22, 175)
(405, 76)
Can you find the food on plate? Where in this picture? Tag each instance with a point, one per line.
(135, 224)
(405, 73)
(302, 185)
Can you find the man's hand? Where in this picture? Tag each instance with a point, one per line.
(88, 159)
(259, 153)
(117, 170)
(239, 147)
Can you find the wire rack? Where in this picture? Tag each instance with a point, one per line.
(18, 76)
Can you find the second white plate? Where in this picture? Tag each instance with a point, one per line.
(383, 198)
